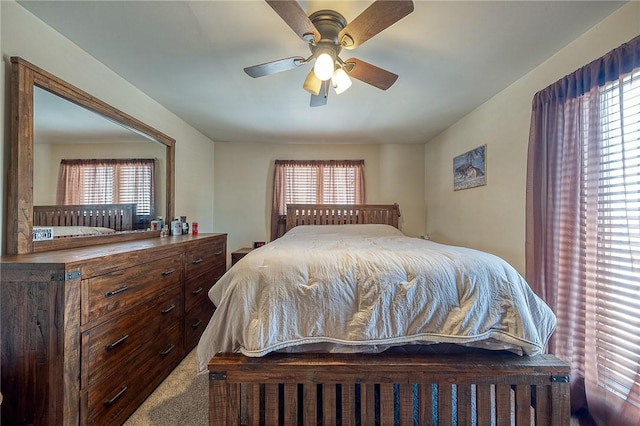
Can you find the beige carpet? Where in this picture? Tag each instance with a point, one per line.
(180, 400)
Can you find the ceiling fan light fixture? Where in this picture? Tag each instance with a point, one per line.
(340, 81)
(325, 64)
(327, 32)
(312, 83)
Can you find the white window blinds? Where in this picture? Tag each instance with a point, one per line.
(98, 184)
(108, 181)
(611, 244)
(135, 185)
(301, 185)
(322, 182)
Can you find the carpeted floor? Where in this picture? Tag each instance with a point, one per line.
(180, 400)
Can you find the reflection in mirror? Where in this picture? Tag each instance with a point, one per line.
(39, 140)
(66, 131)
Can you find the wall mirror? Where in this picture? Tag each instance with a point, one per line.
(52, 120)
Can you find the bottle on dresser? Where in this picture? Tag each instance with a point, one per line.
(176, 227)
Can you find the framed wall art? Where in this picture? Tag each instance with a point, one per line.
(470, 169)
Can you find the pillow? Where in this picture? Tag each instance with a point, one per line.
(72, 231)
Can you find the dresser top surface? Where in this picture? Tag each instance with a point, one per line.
(92, 252)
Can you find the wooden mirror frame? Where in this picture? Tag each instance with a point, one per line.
(24, 77)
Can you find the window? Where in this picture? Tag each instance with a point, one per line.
(320, 185)
(611, 220)
(583, 229)
(108, 182)
(315, 182)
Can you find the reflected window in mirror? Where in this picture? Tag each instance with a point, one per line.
(110, 181)
(82, 158)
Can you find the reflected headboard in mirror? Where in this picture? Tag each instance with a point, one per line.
(28, 82)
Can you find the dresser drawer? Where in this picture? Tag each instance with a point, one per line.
(115, 397)
(204, 255)
(107, 347)
(106, 296)
(196, 289)
(195, 321)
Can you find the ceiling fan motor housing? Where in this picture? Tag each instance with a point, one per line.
(329, 23)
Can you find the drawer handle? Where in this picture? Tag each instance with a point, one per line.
(196, 324)
(114, 292)
(196, 261)
(218, 253)
(109, 402)
(165, 353)
(169, 272)
(197, 290)
(168, 309)
(117, 342)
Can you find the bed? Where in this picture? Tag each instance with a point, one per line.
(384, 350)
(84, 220)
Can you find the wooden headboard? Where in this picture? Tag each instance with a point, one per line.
(119, 217)
(341, 214)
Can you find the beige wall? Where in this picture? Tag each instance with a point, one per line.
(418, 177)
(244, 177)
(22, 34)
(492, 217)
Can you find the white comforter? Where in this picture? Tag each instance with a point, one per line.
(365, 288)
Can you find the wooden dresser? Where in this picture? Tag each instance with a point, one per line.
(87, 334)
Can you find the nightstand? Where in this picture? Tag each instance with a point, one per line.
(239, 254)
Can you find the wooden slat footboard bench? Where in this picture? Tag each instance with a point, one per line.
(388, 389)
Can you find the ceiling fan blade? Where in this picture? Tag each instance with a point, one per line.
(321, 98)
(370, 74)
(275, 66)
(380, 15)
(291, 13)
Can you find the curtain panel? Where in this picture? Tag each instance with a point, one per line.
(317, 181)
(564, 232)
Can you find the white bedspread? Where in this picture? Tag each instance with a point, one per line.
(365, 288)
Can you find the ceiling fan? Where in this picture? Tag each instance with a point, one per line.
(327, 33)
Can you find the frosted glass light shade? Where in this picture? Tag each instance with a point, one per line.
(340, 81)
(312, 84)
(323, 68)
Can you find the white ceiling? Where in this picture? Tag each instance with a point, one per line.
(451, 56)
